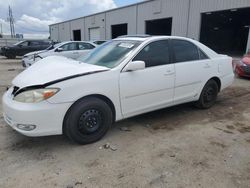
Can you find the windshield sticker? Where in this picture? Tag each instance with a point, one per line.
(126, 45)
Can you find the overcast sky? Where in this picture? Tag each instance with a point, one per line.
(32, 17)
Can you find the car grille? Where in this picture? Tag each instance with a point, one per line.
(246, 69)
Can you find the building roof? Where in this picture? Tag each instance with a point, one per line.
(122, 7)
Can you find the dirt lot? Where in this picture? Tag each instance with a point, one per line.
(175, 147)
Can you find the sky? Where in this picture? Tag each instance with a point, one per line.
(32, 17)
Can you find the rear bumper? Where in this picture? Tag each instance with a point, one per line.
(227, 81)
(46, 117)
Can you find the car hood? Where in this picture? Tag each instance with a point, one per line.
(35, 52)
(53, 69)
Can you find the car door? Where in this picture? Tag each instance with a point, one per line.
(68, 50)
(193, 69)
(34, 46)
(84, 48)
(151, 88)
(22, 48)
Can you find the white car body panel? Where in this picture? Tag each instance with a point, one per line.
(131, 93)
(41, 73)
(154, 85)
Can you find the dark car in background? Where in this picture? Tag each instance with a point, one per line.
(24, 47)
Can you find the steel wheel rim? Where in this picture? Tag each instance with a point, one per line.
(90, 121)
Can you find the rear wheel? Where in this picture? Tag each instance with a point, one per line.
(88, 120)
(208, 95)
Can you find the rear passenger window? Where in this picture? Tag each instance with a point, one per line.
(202, 55)
(85, 46)
(34, 43)
(69, 47)
(154, 54)
(185, 51)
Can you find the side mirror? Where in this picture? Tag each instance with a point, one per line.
(59, 50)
(20, 45)
(135, 65)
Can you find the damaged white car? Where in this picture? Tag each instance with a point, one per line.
(124, 77)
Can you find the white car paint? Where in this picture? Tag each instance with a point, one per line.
(131, 92)
(30, 58)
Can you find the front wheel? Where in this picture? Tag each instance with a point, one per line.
(88, 120)
(208, 95)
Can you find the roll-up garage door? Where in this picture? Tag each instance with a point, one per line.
(94, 33)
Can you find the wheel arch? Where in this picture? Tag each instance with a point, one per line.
(99, 96)
(218, 81)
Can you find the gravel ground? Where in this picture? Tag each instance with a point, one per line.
(174, 147)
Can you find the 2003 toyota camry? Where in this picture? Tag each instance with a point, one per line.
(124, 77)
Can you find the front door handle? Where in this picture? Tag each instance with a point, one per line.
(206, 66)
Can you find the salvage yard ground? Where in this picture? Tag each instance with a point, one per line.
(174, 147)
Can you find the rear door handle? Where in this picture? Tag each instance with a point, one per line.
(75, 52)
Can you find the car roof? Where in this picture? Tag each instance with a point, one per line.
(65, 42)
(149, 37)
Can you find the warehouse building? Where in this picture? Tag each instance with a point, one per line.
(222, 25)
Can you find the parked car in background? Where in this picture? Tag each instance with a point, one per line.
(242, 67)
(24, 47)
(122, 78)
(70, 49)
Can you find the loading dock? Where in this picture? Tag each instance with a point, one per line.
(159, 26)
(77, 35)
(119, 30)
(226, 31)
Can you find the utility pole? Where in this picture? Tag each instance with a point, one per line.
(1, 26)
(11, 20)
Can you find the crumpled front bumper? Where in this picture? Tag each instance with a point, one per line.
(46, 117)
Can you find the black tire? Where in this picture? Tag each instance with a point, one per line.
(208, 95)
(88, 120)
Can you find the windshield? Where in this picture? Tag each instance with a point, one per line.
(53, 46)
(110, 54)
(18, 43)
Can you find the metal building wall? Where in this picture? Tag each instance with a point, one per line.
(120, 16)
(54, 32)
(177, 9)
(94, 21)
(77, 24)
(186, 15)
(200, 6)
(64, 31)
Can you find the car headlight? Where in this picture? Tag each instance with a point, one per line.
(36, 95)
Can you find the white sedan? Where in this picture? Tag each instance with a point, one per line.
(70, 49)
(122, 78)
